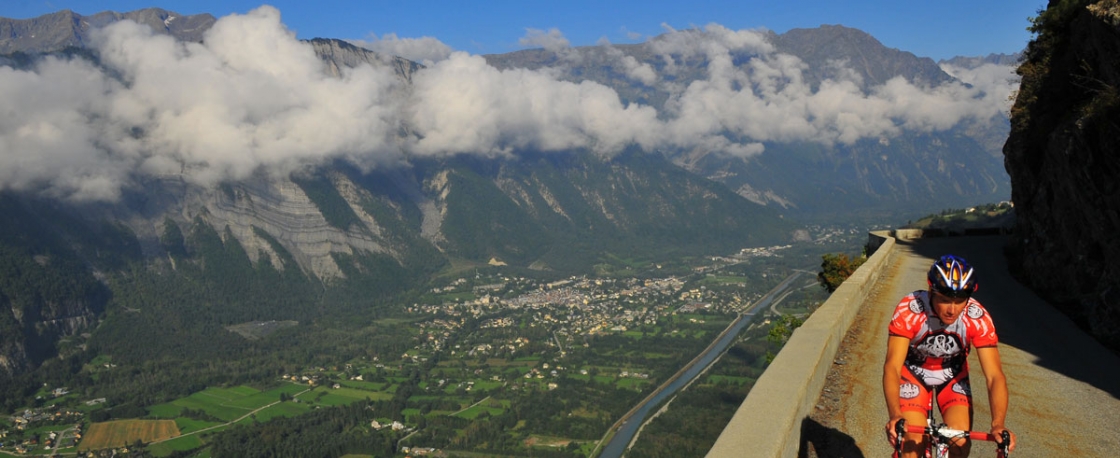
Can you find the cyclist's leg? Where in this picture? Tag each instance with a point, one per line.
(914, 398)
(914, 444)
(955, 400)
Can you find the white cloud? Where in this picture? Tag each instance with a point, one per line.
(251, 96)
(767, 99)
(712, 39)
(49, 138)
(426, 50)
(631, 35)
(996, 83)
(551, 40)
(635, 70)
(464, 105)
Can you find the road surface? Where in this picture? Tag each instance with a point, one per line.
(1065, 387)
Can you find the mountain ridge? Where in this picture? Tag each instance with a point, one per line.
(55, 31)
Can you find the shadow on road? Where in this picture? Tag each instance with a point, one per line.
(820, 441)
(1022, 319)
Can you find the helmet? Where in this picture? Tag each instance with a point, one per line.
(952, 276)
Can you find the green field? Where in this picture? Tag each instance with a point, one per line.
(362, 385)
(632, 383)
(341, 396)
(283, 409)
(486, 385)
(474, 412)
(226, 404)
(189, 425)
(178, 444)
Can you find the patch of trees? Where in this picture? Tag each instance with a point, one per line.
(835, 268)
(331, 204)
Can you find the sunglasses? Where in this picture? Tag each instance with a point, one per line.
(958, 294)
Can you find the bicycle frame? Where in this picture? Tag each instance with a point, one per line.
(941, 435)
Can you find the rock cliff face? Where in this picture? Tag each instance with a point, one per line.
(43, 325)
(47, 290)
(338, 55)
(273, 205)
(1063, 162)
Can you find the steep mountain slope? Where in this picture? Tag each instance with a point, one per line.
(556, 211)
(269, 248)
(904, 174)
(51, 267)
(1063, 164)
(545, 211)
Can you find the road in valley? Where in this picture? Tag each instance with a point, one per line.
(627, 427)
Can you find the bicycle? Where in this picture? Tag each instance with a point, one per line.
(941, 435)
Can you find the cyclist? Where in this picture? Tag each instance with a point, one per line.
(931, 334)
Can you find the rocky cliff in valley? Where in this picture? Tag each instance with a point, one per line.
(1063, 162)
(48, 291)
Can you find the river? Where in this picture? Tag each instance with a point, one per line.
(621, 440)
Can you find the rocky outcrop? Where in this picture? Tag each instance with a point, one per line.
(1063, 162)
(339, 55)
(34, 327)
(264, 203)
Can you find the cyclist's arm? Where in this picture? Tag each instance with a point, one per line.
(997, 388)
(897, 347)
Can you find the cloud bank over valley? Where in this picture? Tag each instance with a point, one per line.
(251, 96)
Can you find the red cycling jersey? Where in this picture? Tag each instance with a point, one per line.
(939, 352)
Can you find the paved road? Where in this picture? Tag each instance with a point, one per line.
(1065, 387)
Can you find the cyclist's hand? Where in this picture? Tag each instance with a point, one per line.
(892, 435)
(997, 431)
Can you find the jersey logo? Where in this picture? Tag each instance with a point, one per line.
(908, 391)
(975, 312)
(940, 345)
(916, 305)
(962, 387)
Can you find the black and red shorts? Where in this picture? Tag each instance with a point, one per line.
(915, 396)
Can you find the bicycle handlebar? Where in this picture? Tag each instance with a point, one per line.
(1001, 451)
(945, 431)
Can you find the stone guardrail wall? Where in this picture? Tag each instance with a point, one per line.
(768, 422)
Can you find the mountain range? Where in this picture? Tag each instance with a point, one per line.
(345, 230)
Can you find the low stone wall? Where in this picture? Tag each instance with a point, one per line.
(768, 423)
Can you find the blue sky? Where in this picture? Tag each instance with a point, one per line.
(933, 28)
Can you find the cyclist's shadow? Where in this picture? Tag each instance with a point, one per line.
(820, 441)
